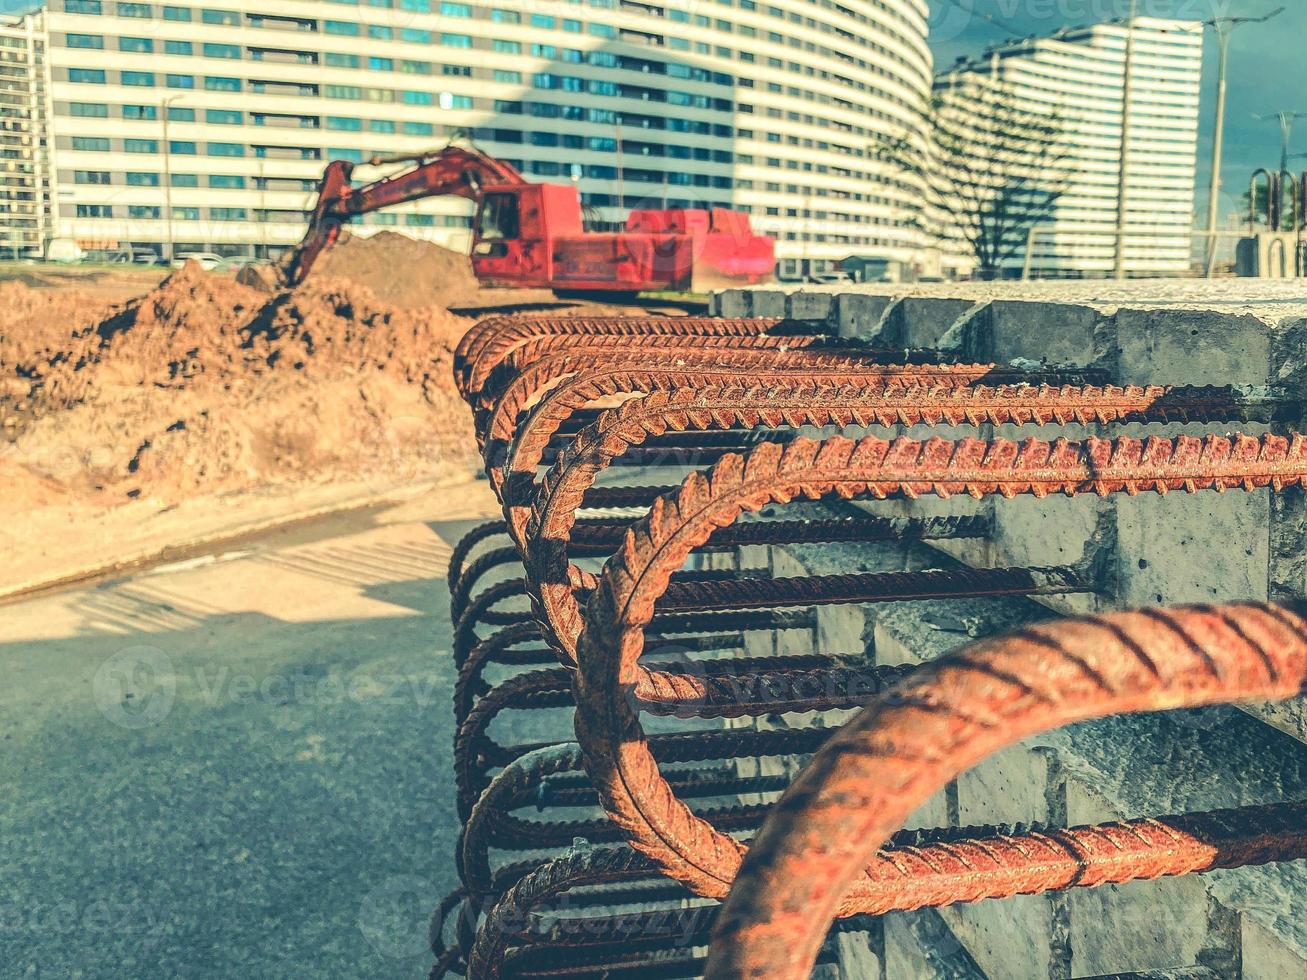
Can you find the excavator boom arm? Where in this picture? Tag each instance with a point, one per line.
(452, 170)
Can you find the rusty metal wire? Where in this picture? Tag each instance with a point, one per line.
(810, 862)
(636, 577)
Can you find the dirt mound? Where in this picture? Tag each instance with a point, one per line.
(399, 270)
(205, 384)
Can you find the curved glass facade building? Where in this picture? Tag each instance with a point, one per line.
(209, 124)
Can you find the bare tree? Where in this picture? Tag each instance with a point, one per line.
(989, 168)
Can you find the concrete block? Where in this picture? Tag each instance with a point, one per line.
(1192, 347)
(1015, 939)
(768, 302)
(860, 954)
(924, 321)
(731, 302)
(1075, 531)
(919, 946)
(859, 315)
(811, 307)
(1265, 957)
(1017, 785)
(1054, 333)
(1179, 549)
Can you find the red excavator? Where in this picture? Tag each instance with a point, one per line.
(531, 235)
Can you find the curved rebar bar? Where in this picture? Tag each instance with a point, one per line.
(607, 721)
(810, 860)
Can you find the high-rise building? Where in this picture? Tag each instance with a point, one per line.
(25, 187)
(207, 124)
(1079, 77)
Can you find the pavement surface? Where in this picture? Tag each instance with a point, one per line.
(237, 765)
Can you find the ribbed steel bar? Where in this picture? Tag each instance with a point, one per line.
(546, 529)
(637, 576)
(494, 338)
(810, 862)
(949, 865)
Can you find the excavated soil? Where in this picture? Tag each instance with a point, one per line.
(205, 385)
(432, 276)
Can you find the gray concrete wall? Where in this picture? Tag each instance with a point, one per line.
(1139, 551)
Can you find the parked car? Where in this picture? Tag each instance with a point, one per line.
(207, 260)
(64, 250)
(828, 278)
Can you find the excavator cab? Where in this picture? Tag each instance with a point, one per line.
(514, 231)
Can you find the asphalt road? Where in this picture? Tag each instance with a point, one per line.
(239, 766)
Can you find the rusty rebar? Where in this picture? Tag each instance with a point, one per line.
(810, 861)
(636, 577)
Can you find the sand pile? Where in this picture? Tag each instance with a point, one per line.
(204, 384)
(430, 275)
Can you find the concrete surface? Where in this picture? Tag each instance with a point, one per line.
(237, 766)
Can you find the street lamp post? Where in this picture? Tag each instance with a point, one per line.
(166, 105)
(1127, 96)
(1224, 27)
(1286, 120)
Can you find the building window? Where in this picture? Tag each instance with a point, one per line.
(134, 10)
(143, 211)
(345, 28)
(83, 6)
(84, 41)
(572, 26)
(184, 148)
(182, 14)
(227, 181)
(224, 117)
(221, 83)
(417, 98)
(418, 129)
(507, 47)
(144, 79)
(339, 153)
(420, 220)
(142, 178)
(88, 110)
(140, 112)
(415, 35)
(417, 6)
(140, 45)
(347, 123)
(98, 144)
(542, 20)
(343, 92)
(448, 9)
(458, 101)
(140, 146)
(505, 16)
(221, 50)
(381, 126)
(180, 81)
(227, 214)
(177, 47)
(89, 76)
(509, 77)
(186, 214)
(410, 67)
(226, 149)
(95, 210)
(603, 30)
(456, 40)
(337, 60)
(229, 17)
(379, 32)
(186, 180)
(377, 63)
(90, 176)
(177, 113)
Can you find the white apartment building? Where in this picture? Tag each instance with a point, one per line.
(206, 123)
(1079, 75)
(26, 219)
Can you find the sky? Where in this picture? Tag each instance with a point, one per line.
(1267, 70)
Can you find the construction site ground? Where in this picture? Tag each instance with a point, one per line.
(237, 765)
(145, 412)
